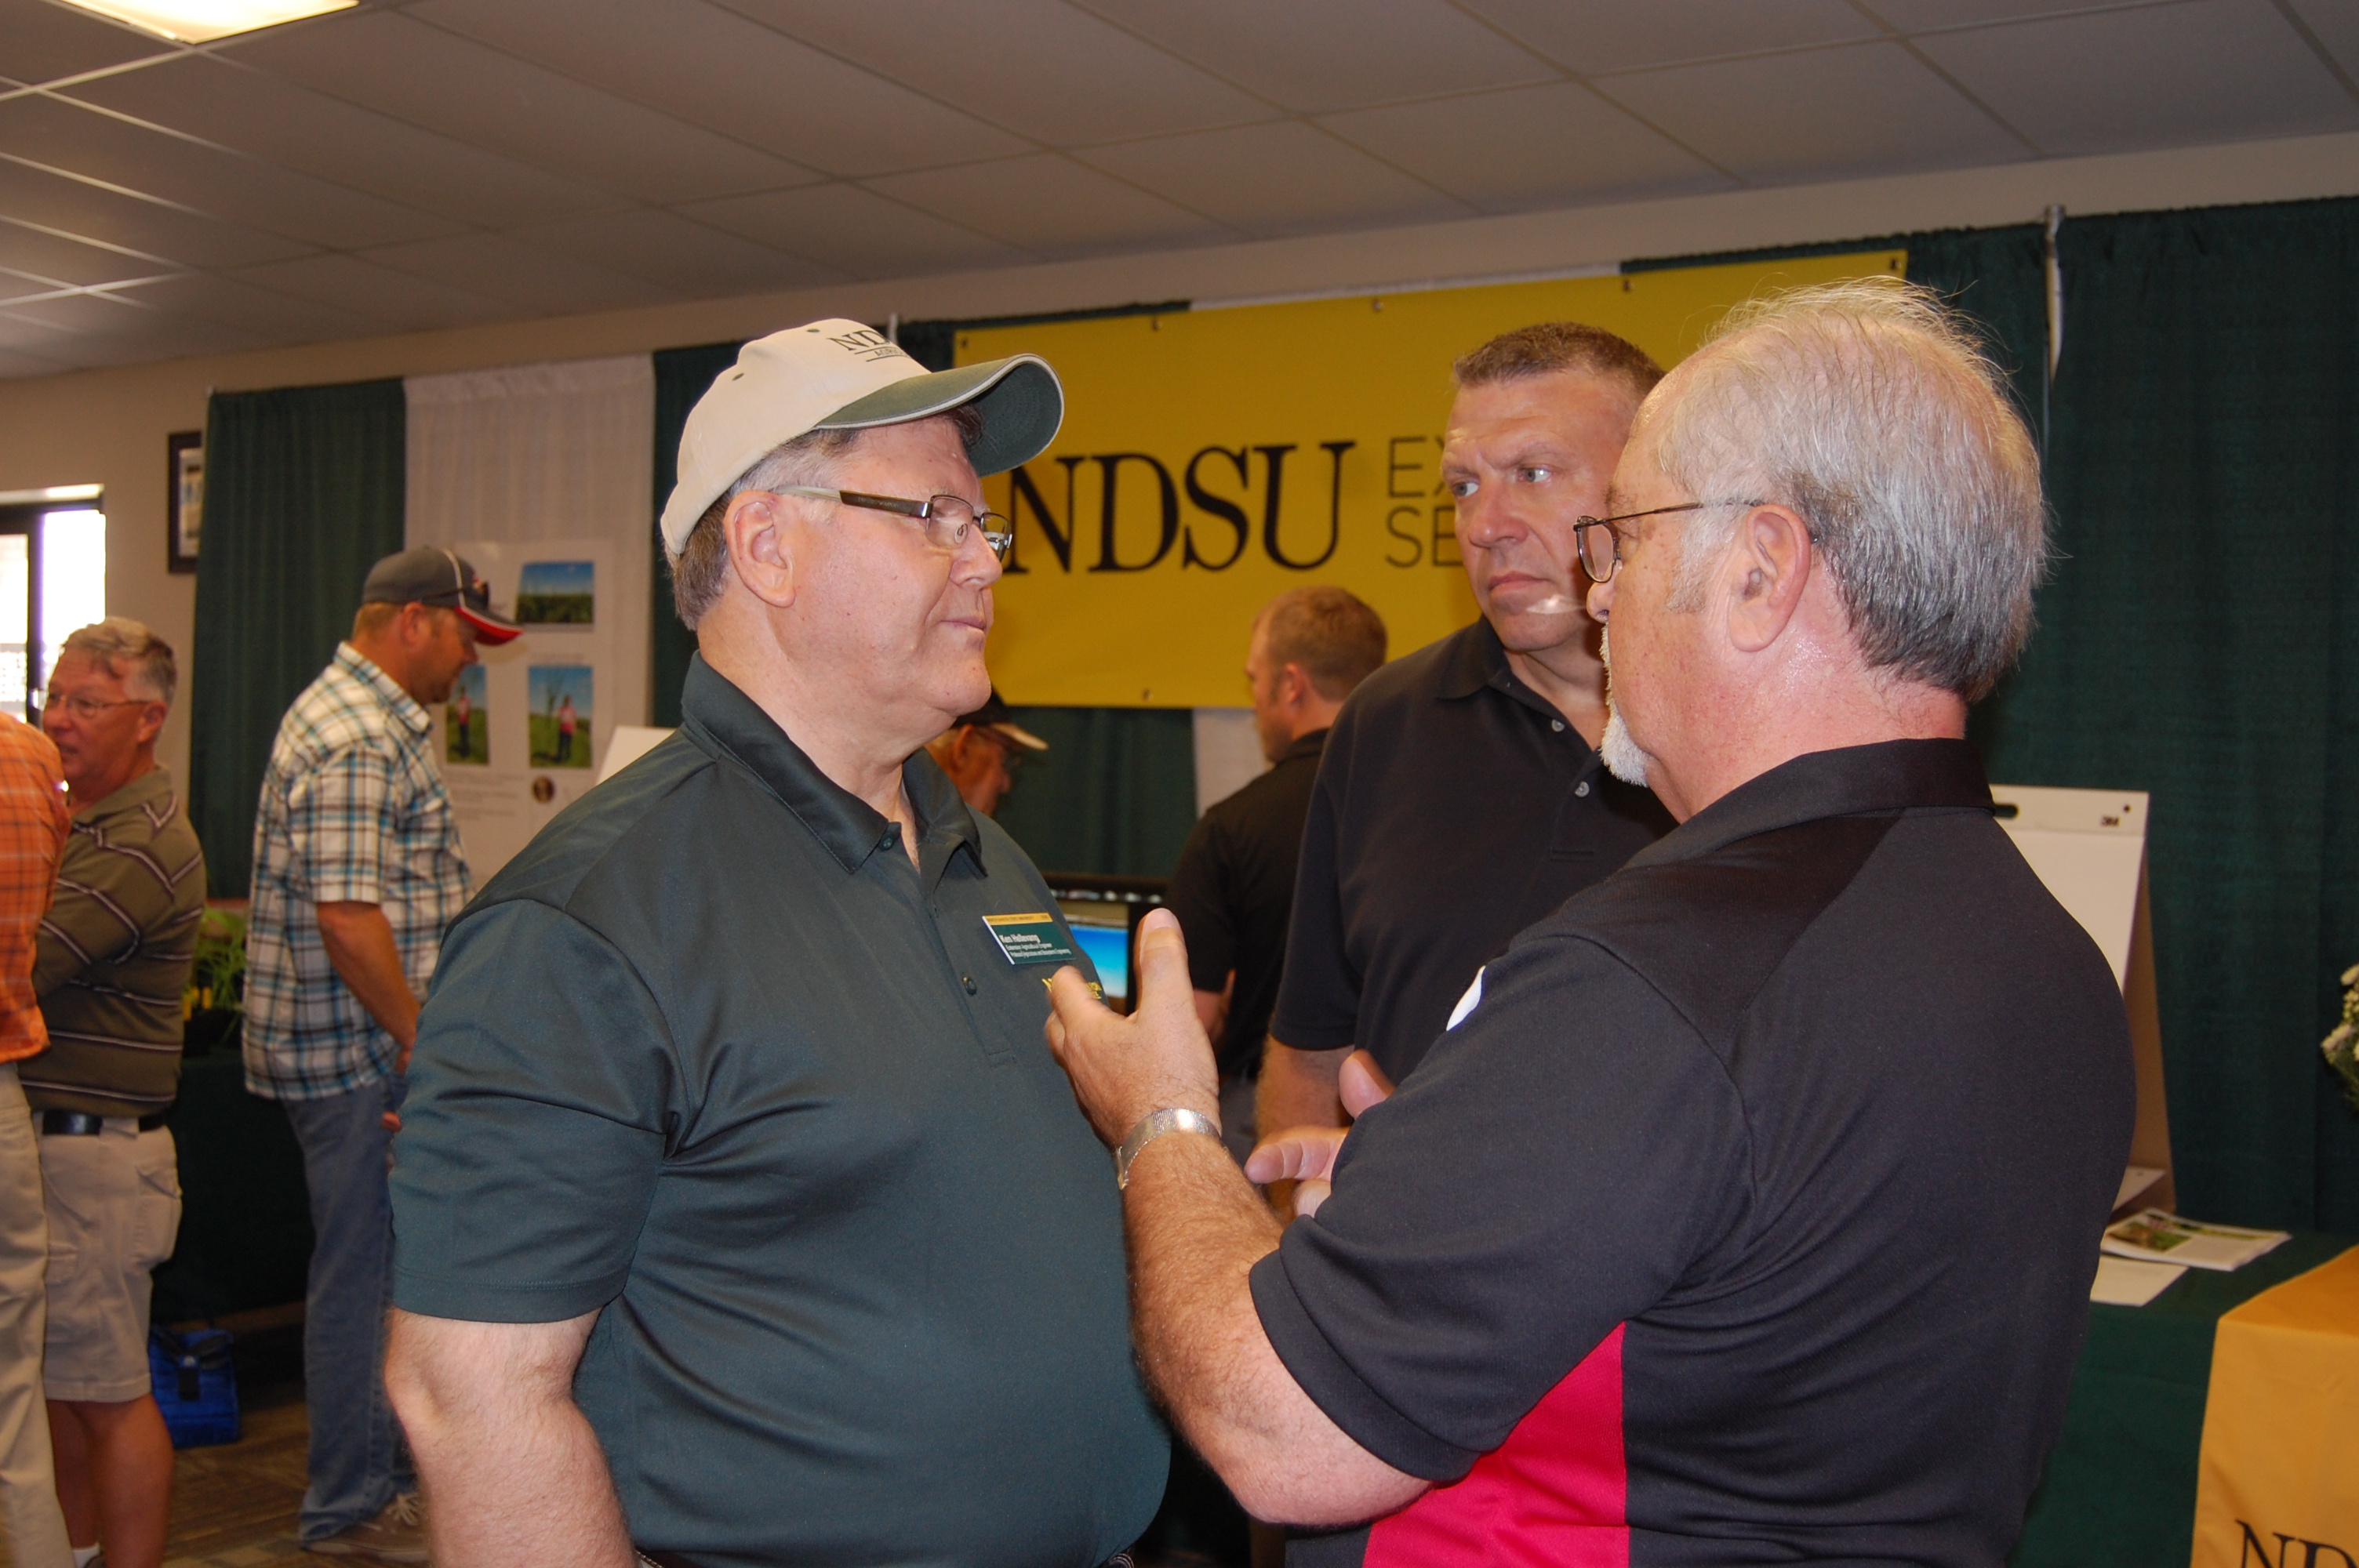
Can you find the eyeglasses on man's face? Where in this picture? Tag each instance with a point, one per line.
(1599, 542)
(947, 519)
(89, 707)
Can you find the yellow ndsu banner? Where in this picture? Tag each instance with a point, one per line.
(2277, 1485)
(1213, 458)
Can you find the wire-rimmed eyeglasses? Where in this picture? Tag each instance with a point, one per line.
(1601, 554)
(947, 518)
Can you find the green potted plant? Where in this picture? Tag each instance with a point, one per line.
(2342, 1047)
(211, 1006)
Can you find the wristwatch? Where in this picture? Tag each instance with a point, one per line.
(1152, 1125)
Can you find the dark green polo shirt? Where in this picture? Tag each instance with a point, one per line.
(711, 1054)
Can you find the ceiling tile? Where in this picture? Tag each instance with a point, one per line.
(1871, 109)
(65, 135)
(105, 332)
(543, 282)
(46, 41)
(1528, 147)
(15, 367)
(1049, 205)
(53, 201)
(856, 231)
(37, 254)
(1595, 35)
(1288, 178)
(694, 259)
(388, 63)
(1041, 68)
(2211, 70)
(267, 313)
(1919, 15)
(2336, 23)
(24, 336)
(713, 68)
(394, 301)
(1316, 55)
(260, 114)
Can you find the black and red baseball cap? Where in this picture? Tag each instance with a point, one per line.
(432, 575)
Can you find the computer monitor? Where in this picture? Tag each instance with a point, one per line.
(1104, 912)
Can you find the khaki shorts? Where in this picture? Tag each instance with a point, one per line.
(114, 1210)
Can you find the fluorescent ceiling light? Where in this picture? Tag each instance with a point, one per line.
(201, 21)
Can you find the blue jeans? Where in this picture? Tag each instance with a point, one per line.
(358, 1460)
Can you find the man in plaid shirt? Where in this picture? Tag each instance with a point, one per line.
(357, 870)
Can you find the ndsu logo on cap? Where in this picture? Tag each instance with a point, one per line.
(868, 343)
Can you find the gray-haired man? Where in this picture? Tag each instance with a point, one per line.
(1746, 1211)
(112, 961)
(757, 1225)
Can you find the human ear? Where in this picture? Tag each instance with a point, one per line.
(1767, 571)
(762, 554)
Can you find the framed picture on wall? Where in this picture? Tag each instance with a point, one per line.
(186, 505)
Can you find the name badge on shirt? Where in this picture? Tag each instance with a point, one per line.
(1029, 938)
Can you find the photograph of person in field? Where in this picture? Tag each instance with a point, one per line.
(467, 722)
(561, 700)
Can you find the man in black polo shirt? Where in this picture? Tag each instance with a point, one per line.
(742, 1216)
(1460, 797)
(1235, 883)
(1747, 1211)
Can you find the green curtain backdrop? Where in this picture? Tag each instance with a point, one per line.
(1115, 792)
(682, 377)
(304, 491)
(1995, 276)
(2200, 639)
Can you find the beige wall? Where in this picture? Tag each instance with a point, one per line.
(107, 427)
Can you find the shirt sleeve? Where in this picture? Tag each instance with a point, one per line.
(1200, 895)
(337, 822)
(1554, 1168)
(1318, 989)
(535, 1126)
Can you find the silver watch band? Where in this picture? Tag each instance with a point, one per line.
(1152, 1125)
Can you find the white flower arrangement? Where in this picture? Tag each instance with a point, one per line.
(2342, 1047)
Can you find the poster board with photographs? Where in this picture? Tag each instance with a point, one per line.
(522, 729)
(2088, 846)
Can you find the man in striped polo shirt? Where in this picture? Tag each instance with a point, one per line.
(112, 961)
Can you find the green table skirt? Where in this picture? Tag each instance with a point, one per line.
(245, 1217)
(2120, 1486)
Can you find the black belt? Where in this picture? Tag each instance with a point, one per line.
(82, 1124)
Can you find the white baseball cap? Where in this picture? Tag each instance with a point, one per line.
(842, 375)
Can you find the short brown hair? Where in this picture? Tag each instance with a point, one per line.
(1546, 347)
(1337, 640)
(700, 568)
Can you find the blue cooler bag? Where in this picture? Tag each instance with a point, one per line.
(196, 1385)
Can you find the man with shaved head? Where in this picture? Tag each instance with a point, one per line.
(1747, 1211)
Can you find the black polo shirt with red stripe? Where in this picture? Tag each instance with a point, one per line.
(1454, 807)
(1748, 1215)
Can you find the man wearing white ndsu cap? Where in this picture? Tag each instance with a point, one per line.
(744, 1217)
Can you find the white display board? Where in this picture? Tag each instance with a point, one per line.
(627, 745)
(2088, 846)
(538, 710)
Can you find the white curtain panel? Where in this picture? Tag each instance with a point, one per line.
(1228, 754)
(546, 452)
